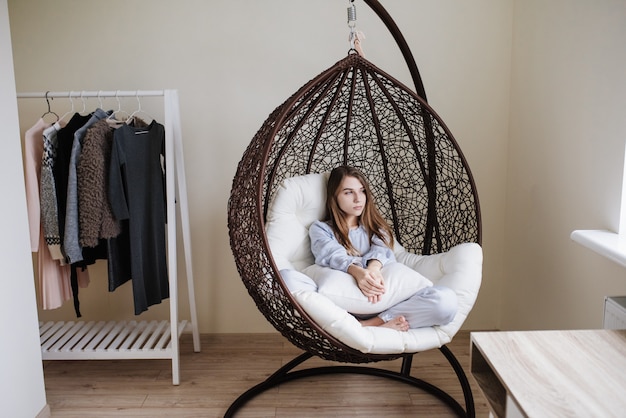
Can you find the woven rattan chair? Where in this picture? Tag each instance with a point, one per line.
(354, 114)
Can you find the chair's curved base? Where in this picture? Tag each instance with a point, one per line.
(284, 374)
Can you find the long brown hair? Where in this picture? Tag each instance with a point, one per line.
(371, 219)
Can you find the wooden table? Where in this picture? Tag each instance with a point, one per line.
(551, 373)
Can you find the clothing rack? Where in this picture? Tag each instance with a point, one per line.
(136, 340)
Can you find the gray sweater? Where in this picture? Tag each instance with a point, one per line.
(71, 243)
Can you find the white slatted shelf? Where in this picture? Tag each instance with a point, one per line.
(107, 341)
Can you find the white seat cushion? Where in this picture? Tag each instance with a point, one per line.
(301, 200)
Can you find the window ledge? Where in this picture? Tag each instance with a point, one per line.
(606, 243)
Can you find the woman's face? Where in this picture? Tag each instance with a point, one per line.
(351, 199)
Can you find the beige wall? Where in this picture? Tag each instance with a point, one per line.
(568, 128)
(234, 62)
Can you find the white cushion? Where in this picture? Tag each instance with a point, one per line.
(297, 203)
(376, 340)
(297, 281)
(401, 282)
(460, 269)
(301, 200)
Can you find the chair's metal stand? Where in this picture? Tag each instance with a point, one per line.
(285, 374)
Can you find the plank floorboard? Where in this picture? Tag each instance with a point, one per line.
(230, 364)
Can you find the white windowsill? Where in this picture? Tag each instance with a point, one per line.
(607, 243)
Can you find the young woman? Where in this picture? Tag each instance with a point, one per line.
(355, 238)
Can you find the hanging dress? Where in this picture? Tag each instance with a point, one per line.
(54, 279)
(137, 194)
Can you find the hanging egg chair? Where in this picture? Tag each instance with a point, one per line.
(355, 114)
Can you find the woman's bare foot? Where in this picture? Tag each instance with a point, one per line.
(399, 323)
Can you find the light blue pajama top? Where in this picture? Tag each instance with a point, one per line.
(328, 252)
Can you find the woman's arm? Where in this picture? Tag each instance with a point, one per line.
(328, 252)
(378, 251)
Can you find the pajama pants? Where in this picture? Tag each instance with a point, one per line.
(434, 305)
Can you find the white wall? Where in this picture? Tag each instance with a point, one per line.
(233, 63)
(21, 372)
(568, 129)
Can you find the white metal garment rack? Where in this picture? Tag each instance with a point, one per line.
(136, 339)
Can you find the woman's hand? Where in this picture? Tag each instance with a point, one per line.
(370, 280)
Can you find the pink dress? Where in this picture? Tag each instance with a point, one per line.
(54, 278)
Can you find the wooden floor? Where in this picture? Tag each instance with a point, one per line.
(228, 365)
